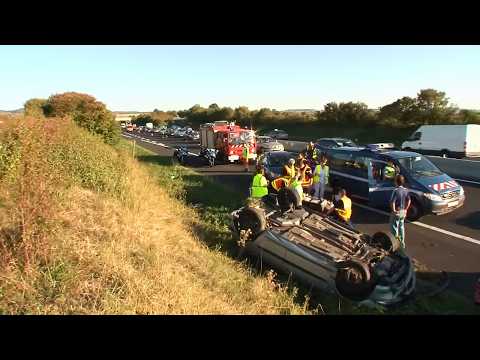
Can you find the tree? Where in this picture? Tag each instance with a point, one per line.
(34, 107)
(86, 111)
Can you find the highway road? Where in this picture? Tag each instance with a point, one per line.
(448, 243)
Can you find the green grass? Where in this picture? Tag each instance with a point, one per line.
(214, 202)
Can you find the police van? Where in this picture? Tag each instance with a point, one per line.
(362, 172)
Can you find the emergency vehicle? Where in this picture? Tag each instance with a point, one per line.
(361, 171)
(228, 139)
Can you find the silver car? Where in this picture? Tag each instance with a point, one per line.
(266, 144)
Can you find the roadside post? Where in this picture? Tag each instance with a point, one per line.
(133, 149)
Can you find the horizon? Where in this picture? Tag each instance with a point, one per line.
(286, 77)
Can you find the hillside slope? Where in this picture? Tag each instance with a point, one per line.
(84, 229)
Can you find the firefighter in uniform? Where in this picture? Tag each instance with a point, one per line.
(245, 156)
(259, 187)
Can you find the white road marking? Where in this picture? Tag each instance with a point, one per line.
(430, 227)
(469, 181)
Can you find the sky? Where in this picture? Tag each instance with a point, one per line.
(142, 78)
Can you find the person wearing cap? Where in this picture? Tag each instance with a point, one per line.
(259, 187)
(320, 178)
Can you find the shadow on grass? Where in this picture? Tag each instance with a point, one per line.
(155, 159)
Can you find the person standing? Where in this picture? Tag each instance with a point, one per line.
(399, 204)
(245, 156)
(320, 178)
(259, 187)
(296, 185)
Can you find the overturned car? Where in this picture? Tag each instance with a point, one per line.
(325, 253)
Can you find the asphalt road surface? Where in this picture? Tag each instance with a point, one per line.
(448, 242)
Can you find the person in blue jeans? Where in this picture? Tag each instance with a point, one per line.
(399, 204)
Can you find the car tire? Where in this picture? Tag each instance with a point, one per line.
(288, 199)
(385, 241)
(415, 211)
(253, 219)
(354, 280)
(445, 153)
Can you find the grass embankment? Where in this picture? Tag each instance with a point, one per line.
(215, 201)
(85, 229)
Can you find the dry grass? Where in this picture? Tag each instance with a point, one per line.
(94, 246)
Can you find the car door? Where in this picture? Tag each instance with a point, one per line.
(380, 189)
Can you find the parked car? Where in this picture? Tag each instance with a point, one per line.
(277, 134)
(445, 140)
(325, 253)
(267, 144)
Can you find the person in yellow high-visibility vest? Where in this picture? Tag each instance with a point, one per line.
(320, 178)
(343, 207)
(245, 156)
(259, 187)
(296, 185)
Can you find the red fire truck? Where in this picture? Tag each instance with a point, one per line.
(228, 139)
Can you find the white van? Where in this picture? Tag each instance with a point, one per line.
(445, 140)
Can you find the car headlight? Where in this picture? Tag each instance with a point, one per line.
(433, 197)
(462, 192)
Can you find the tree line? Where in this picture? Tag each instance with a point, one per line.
(428, 107)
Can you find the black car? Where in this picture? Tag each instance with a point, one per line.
(274, 162)
(277, 134)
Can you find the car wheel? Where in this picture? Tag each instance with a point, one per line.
(385, 241)
(252, 219)
(288, 199)
(415, 211)
(354, 281)
(445, 153)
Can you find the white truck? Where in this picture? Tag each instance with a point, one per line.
(149, 126)
(445, 140)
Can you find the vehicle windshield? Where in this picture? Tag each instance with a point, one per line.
(242, 137)
(419, 166)
(279, 159)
